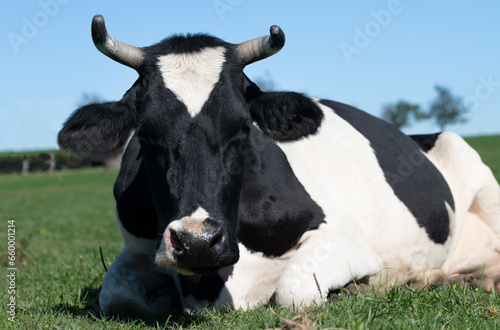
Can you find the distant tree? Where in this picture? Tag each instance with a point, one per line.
(447, 109)
(400, 114)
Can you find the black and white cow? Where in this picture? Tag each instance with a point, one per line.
(228, 196)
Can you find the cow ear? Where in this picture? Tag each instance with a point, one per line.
(285, 116)
(97, 130)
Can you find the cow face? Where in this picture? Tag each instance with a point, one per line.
(195, 145)
(192, 110)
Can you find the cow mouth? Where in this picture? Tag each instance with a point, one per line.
(202, 270)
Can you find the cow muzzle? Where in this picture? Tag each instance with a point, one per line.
(193, 246)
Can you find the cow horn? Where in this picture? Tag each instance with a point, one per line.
(259, 48)
(119, 51)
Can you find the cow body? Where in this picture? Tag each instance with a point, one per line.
(368, 230)
(230, 197)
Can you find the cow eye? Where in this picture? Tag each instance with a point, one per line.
(244, 132)
(139, 155)
(144, 141)
(143, 137)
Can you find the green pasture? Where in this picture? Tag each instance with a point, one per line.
(61, 220)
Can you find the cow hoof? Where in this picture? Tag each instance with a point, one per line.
(475, 280)
(350, 289)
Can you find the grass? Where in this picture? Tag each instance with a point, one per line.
(489, 149)
(62, 219)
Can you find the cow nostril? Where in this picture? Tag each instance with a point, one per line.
(176, 243)
(216, 241)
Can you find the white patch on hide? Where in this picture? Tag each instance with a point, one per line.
(339, 169)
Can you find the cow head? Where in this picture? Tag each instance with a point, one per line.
(192, 109)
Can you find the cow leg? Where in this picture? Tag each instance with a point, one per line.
(472, 280)
(327, 258)
(134, 287)
(476, 231)
(486, 207)
(259, 275)
(477, 250)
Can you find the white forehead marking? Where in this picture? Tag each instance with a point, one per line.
(200, 213)
(192, 76)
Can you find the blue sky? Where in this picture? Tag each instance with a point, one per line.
(364, 53)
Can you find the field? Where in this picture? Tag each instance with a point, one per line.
(61, 221)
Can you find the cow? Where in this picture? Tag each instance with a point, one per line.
(231, 197)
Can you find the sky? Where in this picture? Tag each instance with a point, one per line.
(363, 53)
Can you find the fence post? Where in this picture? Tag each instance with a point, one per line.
(52, 166)
(26, 166)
